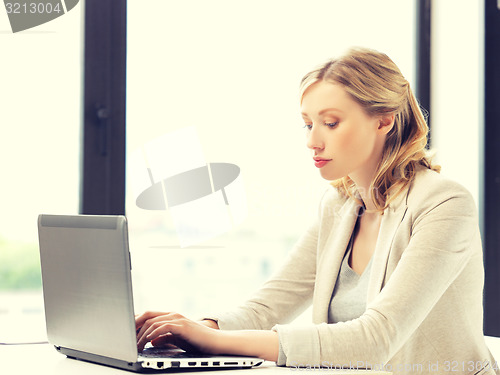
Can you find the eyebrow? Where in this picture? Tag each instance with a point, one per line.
(324, 111)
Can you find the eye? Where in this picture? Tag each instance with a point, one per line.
(331, 125)
(308, 126)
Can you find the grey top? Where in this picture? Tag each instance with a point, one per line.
(349, 295)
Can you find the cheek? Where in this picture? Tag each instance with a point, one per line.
(356, 142)
(349, 141)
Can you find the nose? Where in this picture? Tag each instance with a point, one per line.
(314, 139)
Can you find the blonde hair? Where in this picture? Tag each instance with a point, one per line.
(373, 80)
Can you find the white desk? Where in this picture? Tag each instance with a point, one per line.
(44, 360)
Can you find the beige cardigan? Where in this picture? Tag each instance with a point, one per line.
(424, 305)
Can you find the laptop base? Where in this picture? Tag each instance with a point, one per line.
(94, 358)
(152, 365)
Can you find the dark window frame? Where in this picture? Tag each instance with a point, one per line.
(104, 144)
(423, 57)
(490, 212)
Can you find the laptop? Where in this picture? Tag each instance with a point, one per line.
(87, 289)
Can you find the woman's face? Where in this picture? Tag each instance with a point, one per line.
(344, 140)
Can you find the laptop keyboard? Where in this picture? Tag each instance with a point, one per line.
(158, 352)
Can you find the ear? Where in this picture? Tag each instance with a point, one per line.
(386, 123)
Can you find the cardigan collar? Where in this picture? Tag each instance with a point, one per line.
(335, 246)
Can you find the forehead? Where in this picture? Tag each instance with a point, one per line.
(323, 95)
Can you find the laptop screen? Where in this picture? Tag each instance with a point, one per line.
(87, 284)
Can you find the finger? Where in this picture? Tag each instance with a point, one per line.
(154, 331)
(145, 320)
(165, 342)
(175, 342)
(162, 328)
(149, 326)
(140, 319)
(155, 317)
(143, 332)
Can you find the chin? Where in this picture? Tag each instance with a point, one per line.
(329, 176)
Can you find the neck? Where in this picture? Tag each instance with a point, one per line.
(365, 194)
(363, 182)
(363, 177)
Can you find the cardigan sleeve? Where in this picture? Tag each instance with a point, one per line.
(442, 241)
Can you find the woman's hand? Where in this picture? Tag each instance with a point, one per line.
(172, 329)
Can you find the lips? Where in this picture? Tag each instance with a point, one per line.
(320, 162)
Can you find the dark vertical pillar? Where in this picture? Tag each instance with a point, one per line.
(103, 160)
(491, 182)
(423, 56)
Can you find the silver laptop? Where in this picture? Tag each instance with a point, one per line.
(87, 288)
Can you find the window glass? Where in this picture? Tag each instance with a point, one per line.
(217, 82)
(39, 155)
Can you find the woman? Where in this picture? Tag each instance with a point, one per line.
(393, 264)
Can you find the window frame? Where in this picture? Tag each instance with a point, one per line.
(490, 207)
(104, 99)
(423, 57)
